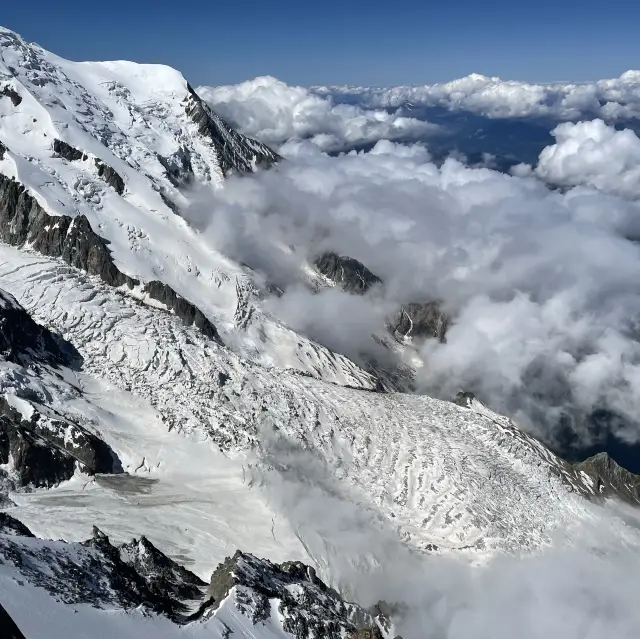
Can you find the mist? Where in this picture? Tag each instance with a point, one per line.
(581, 587)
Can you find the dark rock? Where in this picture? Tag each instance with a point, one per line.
(107, 173)
(178, 167)
(9, 627)
(163, 575)
(24, 341)
(11, 526)
(611, 479)
(464, 399)
(110, 176)
(44, 451)
(3, 150)
(353, 276)
(33, 461)
(12, 94)
(235, 152)
(421, 320)
(67, 151)
(185, 310)
(308, 607)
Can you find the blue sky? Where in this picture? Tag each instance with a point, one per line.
(357, 42)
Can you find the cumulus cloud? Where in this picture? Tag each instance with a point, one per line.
(272, 111)
(595, 154)
(612, 99)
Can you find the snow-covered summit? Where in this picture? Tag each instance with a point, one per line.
(99, 158)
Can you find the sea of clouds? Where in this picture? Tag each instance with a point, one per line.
(539, 269)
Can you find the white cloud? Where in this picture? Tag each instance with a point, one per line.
(595, 154)
(274, 112)
(495, 98)
(543, 284)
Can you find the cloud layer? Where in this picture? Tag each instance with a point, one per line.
(274, 112)
(542, 283)
(612, 99)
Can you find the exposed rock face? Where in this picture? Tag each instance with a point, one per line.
(178, 167)
(24, 341)
(353, 276)
(12, 94)
(91, 572)
(307, 606)
(611, 479)
(11, 526)
(110, 176)
(22, 220)
(67, 151)
(107, 173)
(43, 451)
(420, 320)
(3, 150)
(136, 574)
(187, 312)
(163, 575)
(235, 152)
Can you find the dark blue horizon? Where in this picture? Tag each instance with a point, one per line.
(366, 43)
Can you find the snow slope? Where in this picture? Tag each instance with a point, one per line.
(147, 124)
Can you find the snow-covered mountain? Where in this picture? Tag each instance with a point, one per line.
(146, 391)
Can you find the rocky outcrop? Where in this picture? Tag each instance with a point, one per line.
(164, 576)
(91, 572)
(23, 341)
(187, 312)
(67, 151)
(236, 152)
(306, 605)
(9, 92)
(3, 150)
(178, 167)
(610, 479)
(110, 176)
(43, 451)
(107, 173)
(350, 274)
(23, 220)
(11, 526)
(420, 320)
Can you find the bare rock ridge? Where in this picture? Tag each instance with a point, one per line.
(235, 152)
(135, 574)
(308, 606)
(43, 450)
(420, 320)
(22, 340)
(24, 221)
(611, 479)
(350, 274)
(12, 94)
